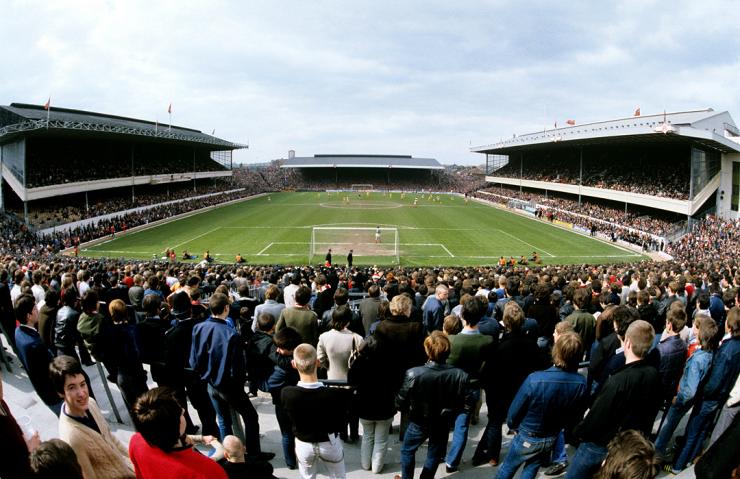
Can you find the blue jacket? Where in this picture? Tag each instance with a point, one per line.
(547, 402)
(725, 368)
(672, 360)
(695, 370)
(36, 357)
(217, 354)
(434, 314)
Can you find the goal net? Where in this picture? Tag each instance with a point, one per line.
(368, 245)
(362, 187)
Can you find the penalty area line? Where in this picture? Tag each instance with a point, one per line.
(448, 251)
(529, 244)
(265, 249)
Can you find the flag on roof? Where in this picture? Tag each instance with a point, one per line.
(47, 104)
(637, 112)
(571, 122)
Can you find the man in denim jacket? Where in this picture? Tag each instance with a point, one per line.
(547, 402)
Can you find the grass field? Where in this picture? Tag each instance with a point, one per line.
(277, 229)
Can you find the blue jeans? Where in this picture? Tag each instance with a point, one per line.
(533, 452)
(587, 460)
(223, 402)
(696, 430)
(460, 433)
(489, 446)
(673, 417)
(559, 456)
(413, 438)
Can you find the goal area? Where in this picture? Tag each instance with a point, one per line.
(366, 245)
(362, 187)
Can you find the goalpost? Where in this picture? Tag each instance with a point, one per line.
(362, 187)
(362, 242)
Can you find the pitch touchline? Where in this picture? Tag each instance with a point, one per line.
(530, 244)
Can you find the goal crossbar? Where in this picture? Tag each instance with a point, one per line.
(363, 241)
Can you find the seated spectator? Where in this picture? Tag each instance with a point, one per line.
(160, 446)
(82, 425)
(236, 465)
(55, 459)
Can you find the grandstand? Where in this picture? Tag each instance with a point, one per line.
(685, 164)
(378, 171)
(64, 153)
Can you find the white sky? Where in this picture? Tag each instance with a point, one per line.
(424, 78)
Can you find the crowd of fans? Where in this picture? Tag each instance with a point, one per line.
(614, 223)
(659, 177)
(515, 333)
(709, 239)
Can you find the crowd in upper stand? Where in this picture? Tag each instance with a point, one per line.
(656, 178)
(659, 336)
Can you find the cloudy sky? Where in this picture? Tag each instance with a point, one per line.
(426, 78)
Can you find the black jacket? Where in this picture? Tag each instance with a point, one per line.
(433, 393)
(630, 399)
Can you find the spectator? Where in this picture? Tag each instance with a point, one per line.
(53, 459)
(236, 465)
(629, 456)
(82, 425)
(123, 355)
(434, 309)
(300, 317)
(14, 461)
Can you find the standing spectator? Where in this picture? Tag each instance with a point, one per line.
(270, 305)
(33, 353)
(369, 307)
(375, 403)
(672, 352)
(150, 337)
(47, 318)
(160, 446)
(350, 260)
(66, 335)
(513, 360)
(136, 292)
(434, 309)
(432, 395)
(123, 355)
(583, 322)
(629, 400)
(318, 413)
(629, 456)
(217, 356)
(547, 402)
(82, 425)
(300, 317)
(7, 318)
(290, 289)
(324, 295)
(15, 450)
(284, 374)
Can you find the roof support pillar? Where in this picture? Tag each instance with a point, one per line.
(580, 176)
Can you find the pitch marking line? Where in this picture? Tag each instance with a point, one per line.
(529, 244)
(448, 251)
(265, 249)
(193, 239)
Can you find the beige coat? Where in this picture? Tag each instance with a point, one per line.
(100, 455)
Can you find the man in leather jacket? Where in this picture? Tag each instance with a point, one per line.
(432, 395)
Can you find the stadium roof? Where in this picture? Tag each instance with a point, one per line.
(715, 130)
(362, 161)
(19, 119)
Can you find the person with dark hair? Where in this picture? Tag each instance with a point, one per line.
(258, 347)
(123, 355)
(468, 351)
(609, 353)
(82, 425)
(54, 459)
(336, 345)
(695, 371)
(178, 342)
(294, 282)
(217, 355)
(93, 328)
(33, 353)
(515, 357)
(300, 317)
(583, 322)
(284, 374)
(47, 318)
(432, 395)
(315, 425)
(66, 335)
(150, 337)
(369, 307)
(672, 351)
(630, 399)
(629, 456)
(160, 446)
(546, 403)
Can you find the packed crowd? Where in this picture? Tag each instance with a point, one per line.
(660, 177)
(66, 168)
(428, 343)
(709, 239)
(614, 223)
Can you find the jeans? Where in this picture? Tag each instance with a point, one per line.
(460, 433)
(673, 417)
(288, 438)
(374, 443)
(726, 417)
(559, 456)
(223, 402)
(696, 430)
(489, 445)
(533, 452)
(413, 438)
(329, 453)
(586, 461)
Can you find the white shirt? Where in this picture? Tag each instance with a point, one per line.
(289, 295)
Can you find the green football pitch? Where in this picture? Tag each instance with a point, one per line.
(438, 231)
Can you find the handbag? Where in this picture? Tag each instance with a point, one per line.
(353, 355)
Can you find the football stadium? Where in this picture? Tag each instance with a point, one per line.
(125, 239)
